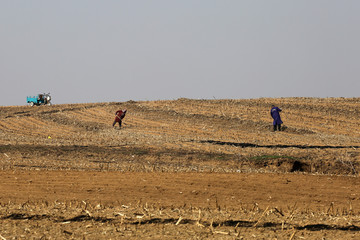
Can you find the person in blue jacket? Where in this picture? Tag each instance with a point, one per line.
(275, 114)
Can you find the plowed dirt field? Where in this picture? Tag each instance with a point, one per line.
(181, 169)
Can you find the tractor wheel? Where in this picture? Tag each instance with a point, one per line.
(31, 104)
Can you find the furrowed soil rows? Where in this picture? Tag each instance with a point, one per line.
(181, 169)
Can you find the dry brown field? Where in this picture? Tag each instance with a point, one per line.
(181, 169)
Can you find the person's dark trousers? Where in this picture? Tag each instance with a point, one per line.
(116, 122)
(278, 127)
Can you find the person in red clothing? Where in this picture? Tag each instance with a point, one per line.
(119, 115)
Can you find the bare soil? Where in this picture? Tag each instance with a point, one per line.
(181, 169)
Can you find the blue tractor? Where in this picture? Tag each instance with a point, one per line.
(40, 99)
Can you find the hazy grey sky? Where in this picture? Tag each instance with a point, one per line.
(112, 50)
